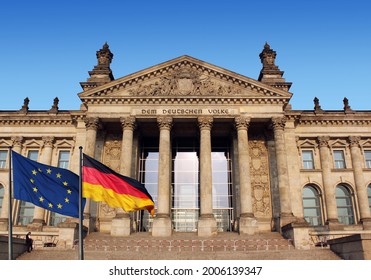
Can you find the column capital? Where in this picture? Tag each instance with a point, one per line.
(323, 141)
(128, 123)
(278, 123)
(48, 141)
(17, 141)
(165, 122)
(92, 123)
(242, 122)
(205, 122)
(354, 141)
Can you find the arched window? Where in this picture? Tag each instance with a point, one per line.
(344, 203)
(1, 196)
(312, 205)
(26, 210)
(369, 195)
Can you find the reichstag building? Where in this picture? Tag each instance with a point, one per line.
(218, 152)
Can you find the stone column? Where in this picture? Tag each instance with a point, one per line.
(46, 158)
(162, 222)
(286, 215)
(247, 222)
(4, 217)
(121, 224)
(359, 180)
(207, 222)
(92, 125)
(328, 188)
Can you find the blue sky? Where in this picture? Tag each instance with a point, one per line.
(48, 47)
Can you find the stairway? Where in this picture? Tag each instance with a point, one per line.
(185, 246)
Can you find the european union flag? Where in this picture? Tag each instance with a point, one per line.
(55, 189)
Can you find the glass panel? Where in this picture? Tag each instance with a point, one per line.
(369, 195)
(312, 206)
(26, 211)
(3, 157)
(307, 159)
(148, 175)
(64, 159)
(339, 159)
(56, 218)
(368, 159)
(310, 202)
(222, 189)
(33, 155)
(2, 190)
(344, 205)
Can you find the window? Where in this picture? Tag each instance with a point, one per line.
(339, 159)
(368, 159)
(369, 195)
(344, 205)
(64, 159)
(312, 205)
(1, 196)
(26, 210)
(307, 157)
(33, 155)
(3, 156)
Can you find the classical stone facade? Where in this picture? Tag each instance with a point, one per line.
(218, 151)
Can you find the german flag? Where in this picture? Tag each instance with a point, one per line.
(100, 183)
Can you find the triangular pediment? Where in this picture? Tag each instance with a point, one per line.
(184, 77)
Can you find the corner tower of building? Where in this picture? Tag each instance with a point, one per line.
(101, 73)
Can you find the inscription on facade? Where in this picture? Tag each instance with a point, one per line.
(186, 111)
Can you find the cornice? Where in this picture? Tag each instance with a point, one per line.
(330, 118)
(217, 100)
(39, 118)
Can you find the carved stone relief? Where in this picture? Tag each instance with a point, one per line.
(111, 158)
(259, 171)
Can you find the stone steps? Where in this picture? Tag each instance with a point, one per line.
(142, 246)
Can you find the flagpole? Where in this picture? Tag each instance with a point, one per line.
(10, 222)
(81, 240)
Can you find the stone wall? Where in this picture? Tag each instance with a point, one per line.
(354, 247)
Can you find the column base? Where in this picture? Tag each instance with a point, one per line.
(69, 235)
(286, 218)
(36, 225)
(298, 232)
(161, 226)
(333, 224)
(247, 224)
(4, 224)
(207, 226)
(121, 225)
(366, 223)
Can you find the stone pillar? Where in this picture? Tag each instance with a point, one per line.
(247, 222)
(4, 217)
(121, 224)
(329, 191)
(92, 125)
(286, 215)
(359, 180)
(46, 158)
(162, 222)
(207, 222)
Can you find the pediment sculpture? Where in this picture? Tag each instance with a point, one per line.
(185, 82)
